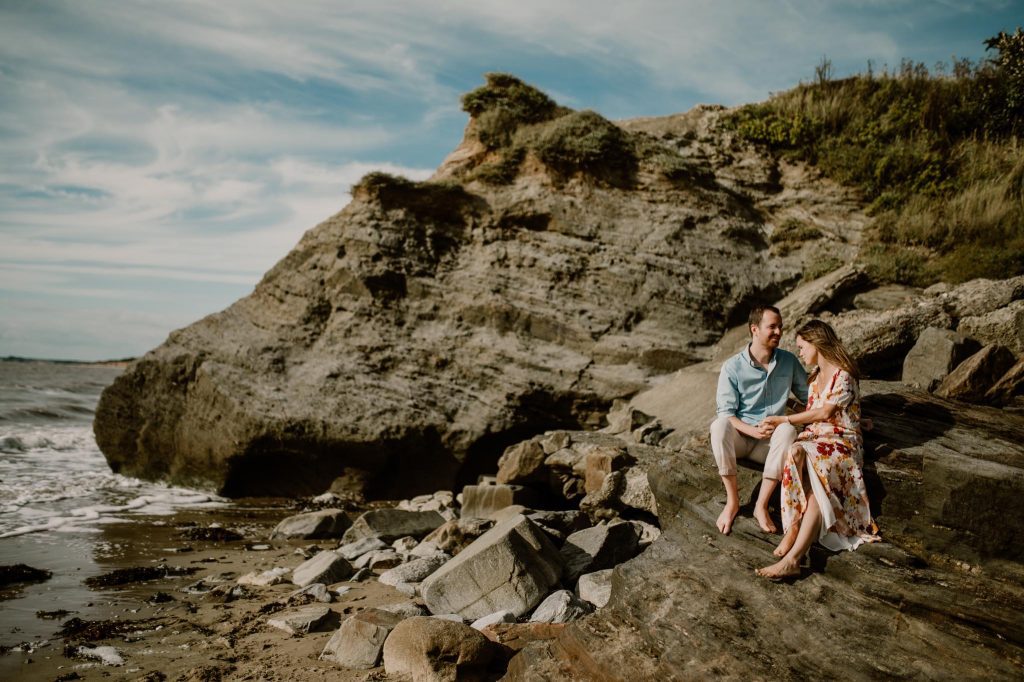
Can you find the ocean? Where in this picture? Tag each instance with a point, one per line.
(61, 507)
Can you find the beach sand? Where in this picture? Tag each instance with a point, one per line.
(193, 636)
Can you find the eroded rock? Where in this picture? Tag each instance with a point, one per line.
(430, 649)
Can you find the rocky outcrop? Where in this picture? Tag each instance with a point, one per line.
(946, 482)
(428, 325)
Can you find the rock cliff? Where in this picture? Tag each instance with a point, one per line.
(407, 340)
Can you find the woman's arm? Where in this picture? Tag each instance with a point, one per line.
(818, 414)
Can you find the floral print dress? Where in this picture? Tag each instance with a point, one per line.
(833, 452)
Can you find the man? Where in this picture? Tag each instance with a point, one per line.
(754, 384)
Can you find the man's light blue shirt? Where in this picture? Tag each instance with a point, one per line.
(748, 391)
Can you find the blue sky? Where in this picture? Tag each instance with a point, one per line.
(156, 158)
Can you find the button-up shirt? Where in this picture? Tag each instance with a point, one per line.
(751, 392)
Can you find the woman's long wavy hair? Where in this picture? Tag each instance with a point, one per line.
(820, 335)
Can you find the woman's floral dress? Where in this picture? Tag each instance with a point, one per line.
(834, 452)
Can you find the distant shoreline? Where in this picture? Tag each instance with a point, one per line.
(122, 362)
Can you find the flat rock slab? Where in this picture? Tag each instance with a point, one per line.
(303, 620)
(388, 525)
(359, 642)
(936, 353)
(326, 523)
(326, 567)
(510, 567)
(427, 649)
(493, 619)
(415, 571)
(516, 636)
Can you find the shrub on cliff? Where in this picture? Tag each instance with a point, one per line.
(586, 141)
(936, 154)
(503, 105)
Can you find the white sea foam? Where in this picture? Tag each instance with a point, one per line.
(53, 478)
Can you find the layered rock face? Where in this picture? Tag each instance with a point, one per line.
(405, 341)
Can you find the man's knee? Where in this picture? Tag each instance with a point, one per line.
(722, 428)
(784, 432)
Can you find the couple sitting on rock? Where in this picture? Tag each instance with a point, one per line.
(823, 495)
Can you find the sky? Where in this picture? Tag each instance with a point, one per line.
(157, 157)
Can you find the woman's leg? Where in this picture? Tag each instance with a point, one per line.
(796, 458)
(790, 564)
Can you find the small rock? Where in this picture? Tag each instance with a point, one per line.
(325, 567)
(313, 592)
(390, 524)
(274, 576)
(520, 463)
(496, 617)
(404, 545)
(481, 501)
(1008, 387)
(596, 587)
(414, 571)
(359, 642)
(303, 620)
(561, 607)
(378, 559)
(597, 548)
(361, 575)
(354, 550)
(516, 636)
(554, 441)
(453, 617)
(326, 523)
(404, 609)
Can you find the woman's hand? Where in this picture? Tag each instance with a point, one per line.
(774, 421)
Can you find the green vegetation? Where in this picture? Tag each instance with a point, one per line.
(938, 155)
(586, 141)
(791, 234)
(439, 202)
(512, 118)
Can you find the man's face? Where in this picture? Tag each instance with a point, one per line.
(769, 332)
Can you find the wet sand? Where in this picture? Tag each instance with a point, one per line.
(190, 636)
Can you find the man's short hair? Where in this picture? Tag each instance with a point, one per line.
(757, 312)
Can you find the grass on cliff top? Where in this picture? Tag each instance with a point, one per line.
(938, 155)
(513, 118)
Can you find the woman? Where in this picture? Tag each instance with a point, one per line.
(825, 460)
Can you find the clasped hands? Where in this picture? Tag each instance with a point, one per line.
(766, 427)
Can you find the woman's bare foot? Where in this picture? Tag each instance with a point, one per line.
(787, 541)
(764, 520)
(781, 569)
(726, 518)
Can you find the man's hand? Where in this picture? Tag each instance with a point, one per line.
(772, 421)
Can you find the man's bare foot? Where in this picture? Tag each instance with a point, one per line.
(781, 569)
(787, 541)
(726, 518)
(764, 520)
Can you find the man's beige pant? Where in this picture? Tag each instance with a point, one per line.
(727, 444)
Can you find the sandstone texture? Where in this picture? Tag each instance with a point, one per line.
(428, 325)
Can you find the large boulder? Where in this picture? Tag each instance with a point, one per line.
(976, 375)
(936, 353)
(1008, 387)
(435, 649)
(1003, 326)
(510, 567)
